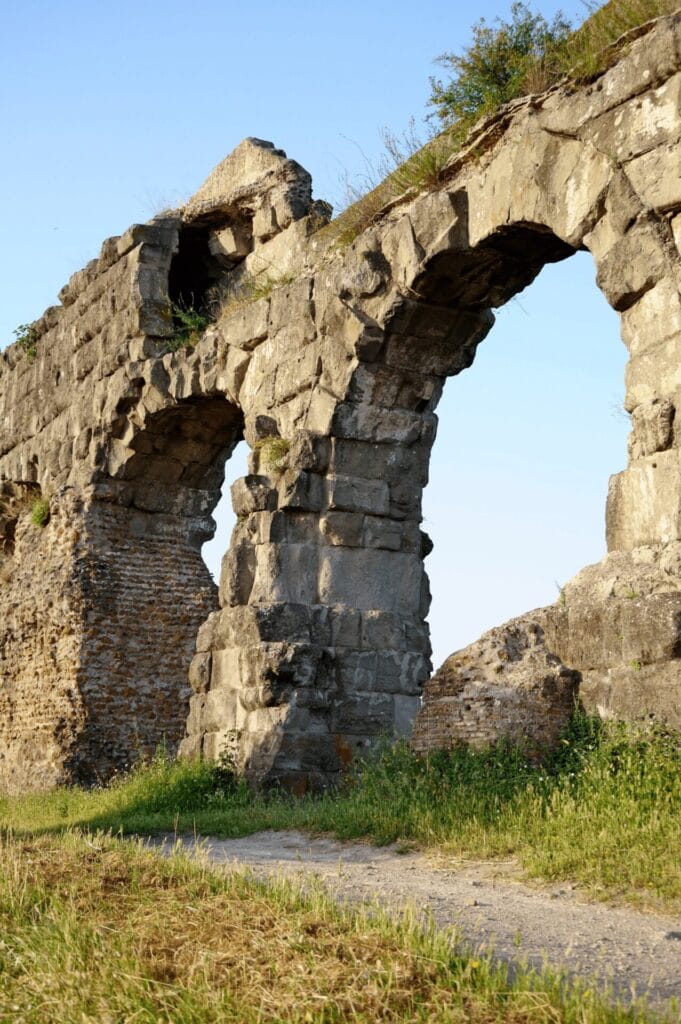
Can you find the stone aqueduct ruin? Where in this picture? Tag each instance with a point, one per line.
(317, 640)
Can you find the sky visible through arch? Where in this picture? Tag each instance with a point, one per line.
(113, 111)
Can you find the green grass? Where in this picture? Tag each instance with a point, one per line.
(189, 326)
(95, 931)
(40, 512)
(252, 289)
(604, 812)
(272, 452)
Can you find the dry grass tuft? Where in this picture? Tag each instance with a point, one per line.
(101, 931)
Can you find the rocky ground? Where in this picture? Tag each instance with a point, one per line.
(638, 953)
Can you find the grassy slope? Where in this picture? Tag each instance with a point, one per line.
(605, 812)
(100, 931)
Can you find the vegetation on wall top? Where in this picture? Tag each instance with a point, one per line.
(509, 59)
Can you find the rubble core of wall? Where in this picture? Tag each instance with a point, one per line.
(330, 363)
(505, 685)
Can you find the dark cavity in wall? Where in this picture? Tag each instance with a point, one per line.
(194, 272)
(207, 252)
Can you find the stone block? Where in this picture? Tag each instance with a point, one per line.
(406, 709)
(309, 451)
(253, 493)
(436, 225)
(301, 490)
(205, 636)
(285, 572)
(231, 243)
(342, 528)
(363, 714)
(199, 672)
(382, 533)
(644, 503)
(356, 672)
(243, 325)
(267, 527)
(367, 579)
(301, 527)
(382, 630)
(401, 249)
(640, 125)
(652, 428)
(365, 422)
(400, 672)
(632, 266)
(302, 752)
(405, 499)
(226, 670)
(345, 627)
(237, 574)
(655, 318)
(656, 179)
(357, 494)
(654, 374)
(320, 409)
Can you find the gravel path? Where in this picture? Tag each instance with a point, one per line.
(638, 953)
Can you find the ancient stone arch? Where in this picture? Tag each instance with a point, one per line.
(330, 362)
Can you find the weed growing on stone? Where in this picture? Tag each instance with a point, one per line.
(26, 336)
(40, 512)
(604, 811)
(591, 49)
(189, 327)
(98, 930)
(272, 452)
(251, 289)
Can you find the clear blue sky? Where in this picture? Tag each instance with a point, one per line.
(112, 111)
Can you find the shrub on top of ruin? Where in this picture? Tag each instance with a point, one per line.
(523, 55)
(26, 337)
(40, 512)
(505, 60)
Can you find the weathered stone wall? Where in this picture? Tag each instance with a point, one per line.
(330, 363)
(505, 685)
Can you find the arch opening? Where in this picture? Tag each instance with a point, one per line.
(530, 490)
(147, 586)
(179, 456)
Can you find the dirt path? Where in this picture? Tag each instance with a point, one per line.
(639, 954)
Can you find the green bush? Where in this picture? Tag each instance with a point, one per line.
(505, 60)
(40, 512)
(189, 326)
(26, 336)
